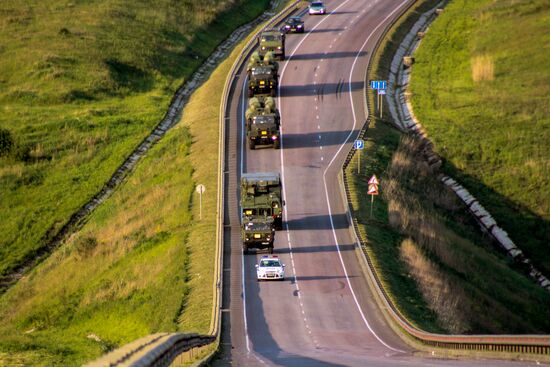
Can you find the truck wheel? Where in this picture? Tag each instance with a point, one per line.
(270, 250)
(277, 144)
(252, 144)
(273, 92)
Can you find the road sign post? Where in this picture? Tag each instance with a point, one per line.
(200, 189)
(373, 190)
(381, 93)
(380, 86)
(359, 144)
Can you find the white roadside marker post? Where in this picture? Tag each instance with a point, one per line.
(200, 189)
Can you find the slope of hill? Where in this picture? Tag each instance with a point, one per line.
(442, 272)
(481, 88)
(81, 84)
(143, 261)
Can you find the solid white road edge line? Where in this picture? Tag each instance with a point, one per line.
(282, 158)
(330, 164)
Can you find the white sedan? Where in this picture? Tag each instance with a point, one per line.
(270, 267)
(317, 7)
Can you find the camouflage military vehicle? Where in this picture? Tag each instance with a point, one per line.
(262, 209)
(263, 75)
(272, 40)
(257, 233)
(263, 122)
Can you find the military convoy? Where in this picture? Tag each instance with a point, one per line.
(263, 122)
(272, 40)
(261, 209)
(261, 200)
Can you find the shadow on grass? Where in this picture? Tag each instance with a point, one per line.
(529, 231)
(384, 241)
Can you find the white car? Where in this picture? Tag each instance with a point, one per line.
(317, 7)
(270, 267)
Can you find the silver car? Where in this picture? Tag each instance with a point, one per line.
(317, 7)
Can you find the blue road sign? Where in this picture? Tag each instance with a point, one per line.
(378, 84)
(359, 144)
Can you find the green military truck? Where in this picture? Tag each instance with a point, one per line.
(263, 75)
(257, 233)
(272, 40)
(263, 122)
(261, 209)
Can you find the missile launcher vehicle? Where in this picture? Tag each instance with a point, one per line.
(261, 209)
(263, 122)
(263, 75)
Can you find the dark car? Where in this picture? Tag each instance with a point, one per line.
(293, 24)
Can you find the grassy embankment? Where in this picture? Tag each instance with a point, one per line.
(143, 261)
(443, 273)
(481, 89)
(81, 84)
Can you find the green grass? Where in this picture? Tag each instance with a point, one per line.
(142, 263)
(81, 84)
(441, 272)
(481, 89)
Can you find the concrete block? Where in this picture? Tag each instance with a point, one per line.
(502, 238)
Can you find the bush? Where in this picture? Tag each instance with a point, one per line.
(6, 142)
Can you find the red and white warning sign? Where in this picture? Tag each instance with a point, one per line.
(373, 181)
(373, 190)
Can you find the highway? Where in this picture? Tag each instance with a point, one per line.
(323, 313)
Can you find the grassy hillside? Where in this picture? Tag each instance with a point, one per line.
(481, 88)
(142, 263)
(81, 84)
(443, 274)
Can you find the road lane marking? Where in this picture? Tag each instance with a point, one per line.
(326, 188)
(282, 150)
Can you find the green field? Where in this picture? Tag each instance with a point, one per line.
(81, 84)
(442, 273)
(481, 88)
(143, 262)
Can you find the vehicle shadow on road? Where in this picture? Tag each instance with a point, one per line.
(328, 30)
(320, 90)
(316, 139)
(313, 249)
(318, 222)
(343, 12)
(328, 55)
(301, 278)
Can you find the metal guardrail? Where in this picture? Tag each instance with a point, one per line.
(164, 348)
(516, 344)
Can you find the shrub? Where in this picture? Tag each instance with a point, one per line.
(6, 142)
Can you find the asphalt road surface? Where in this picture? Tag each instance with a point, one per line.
(323, 313)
